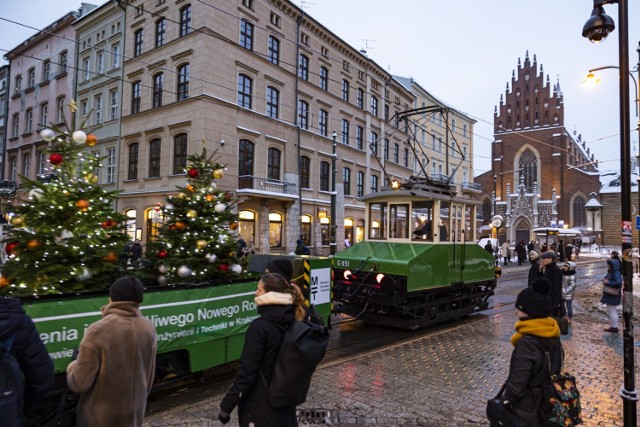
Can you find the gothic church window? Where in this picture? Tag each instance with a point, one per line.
(529, 168)
(579, 215)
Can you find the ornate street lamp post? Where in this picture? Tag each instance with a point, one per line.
(332, 229)
(596, 29)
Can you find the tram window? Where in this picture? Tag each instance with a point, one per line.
(444, 222)
(422, 220)
(377, 218)
(398, 224)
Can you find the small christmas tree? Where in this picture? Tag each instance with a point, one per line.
(66, 236)
(197, 241)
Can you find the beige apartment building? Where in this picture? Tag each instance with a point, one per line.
(263, 85)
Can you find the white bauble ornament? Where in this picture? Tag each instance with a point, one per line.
(168, 207)
(184, 271)
(236, 268)
(63, 237)
(79, 136)
(211, 258)
(222, 238)
(163, 268)
(219, 207)
(47, 135)
(84, 275)
(35, 193)
(162, 280)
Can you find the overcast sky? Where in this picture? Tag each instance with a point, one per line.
(462, 51)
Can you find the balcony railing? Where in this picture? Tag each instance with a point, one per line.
(473, 186)
(246, 182)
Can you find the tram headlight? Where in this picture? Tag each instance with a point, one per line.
(347, 275)
(379, 277)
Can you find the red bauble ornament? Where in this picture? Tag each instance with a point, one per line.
(56, 158)
(109, 223)
(162, 253)
(193, 173)
(228, 196)
(9, 248)
(223, 267)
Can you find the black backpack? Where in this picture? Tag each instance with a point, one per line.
(303, 347)
(11, 386)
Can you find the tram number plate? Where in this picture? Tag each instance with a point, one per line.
(342, 263)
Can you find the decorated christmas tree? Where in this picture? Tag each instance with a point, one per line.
(66, 236)
(197, 241)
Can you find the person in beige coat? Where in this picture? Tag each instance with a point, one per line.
(115, 367)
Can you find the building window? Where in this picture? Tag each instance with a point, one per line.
(111, 165)
(304, 39)
(86, 69)
(303, 67)
(275, 230)
(359, 137)
(42, 162)
(13, 169)
(246, 152)
(132, 172)
(46, 71)
(529, 168)
(360, 184)
(97, 109)
(303, 114)
(183, 82)
(579, 215)
(32, 78)
(374, 183)
(374, 143)
(28, 121)
(154, 158)
(273, 50)
(396, 153)
(273, 100)
(160, 31)
(345, 132)
(185, 20)
(62, 108)
(374, 106)
(63, 62)
(464, 130)
(245, 91)
(305, 171)
(113, 104)
(158, 87)
(345, 90)
(324, 176)
(44, 114)
(346, 181)
(324, 78)
(273, 164)
(26, 165)
(406, 157)
(246, 34)
(323, 119)
(275, 20)
(248, 4)
(345, 65)
(386, 149)
(100, 62)
(138, 42)
(360, 98)
(115, 55)
(179, 154)
(136, 88)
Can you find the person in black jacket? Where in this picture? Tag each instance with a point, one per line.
(29, 351)
(534, 270)
(553, 274)
(279, 303)
(536, 334)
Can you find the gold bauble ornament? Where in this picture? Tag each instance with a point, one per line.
(82, 204)
(91, 140)
(210, 197)
(218, 173)
(191, 188)
(192, 213)
(91, 178)
(17, 221)
(201, 244)
(111, 257)
(233, 225)
(33, 244)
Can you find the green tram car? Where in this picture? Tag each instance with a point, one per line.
(419, 263)
(199, 326)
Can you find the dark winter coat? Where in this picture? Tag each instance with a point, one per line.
(534, 272)
(554, 275)
(115, 367)
(614, 279)
(522, 252)
(28, 350)
(261, 348)
(528, 371)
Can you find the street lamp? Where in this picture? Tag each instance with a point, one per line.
(332, 230)
(596, 29)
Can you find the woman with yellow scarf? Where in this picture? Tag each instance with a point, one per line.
(536, 334)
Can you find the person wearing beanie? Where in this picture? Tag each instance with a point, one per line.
(534, 270)
(282, 266)
(115, 365)
(536, 333)
(552, 273)
(568, 289)
(612, 279)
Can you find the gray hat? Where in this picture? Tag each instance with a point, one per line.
(548, 254)
(533, 255)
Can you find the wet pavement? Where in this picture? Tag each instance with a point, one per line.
(441, 379)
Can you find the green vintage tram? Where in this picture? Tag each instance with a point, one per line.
(419, 263)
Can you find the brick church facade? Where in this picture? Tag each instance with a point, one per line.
(542, 175)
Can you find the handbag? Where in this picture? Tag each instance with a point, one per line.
(500, 414)
(563, 323)
(561, 405)
(610, 290)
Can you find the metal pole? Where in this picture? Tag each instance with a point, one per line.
(637, 82)
(628, 392)
(332, 245)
